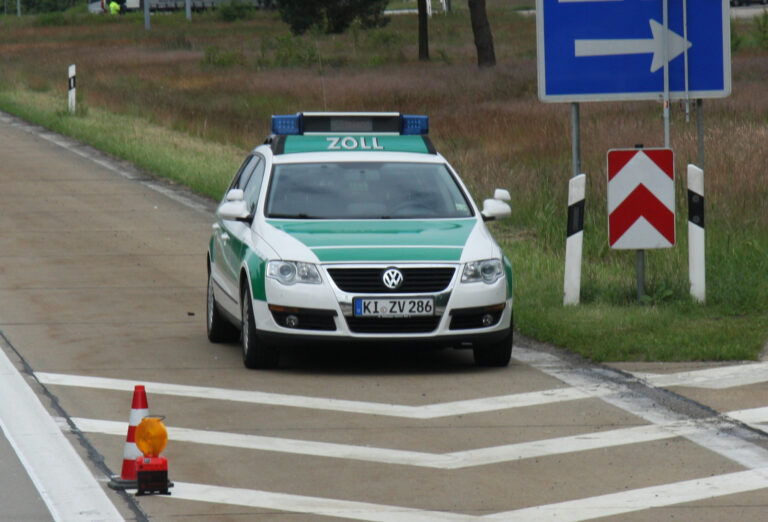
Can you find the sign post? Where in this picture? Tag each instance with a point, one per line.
(616, 50)
(72, 97)
(641, 198)
(641, 202)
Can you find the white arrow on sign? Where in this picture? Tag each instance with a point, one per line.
(676, 44)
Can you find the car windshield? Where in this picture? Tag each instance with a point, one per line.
(371, 190)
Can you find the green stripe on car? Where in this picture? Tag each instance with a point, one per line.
(451, 233)
(395, 253)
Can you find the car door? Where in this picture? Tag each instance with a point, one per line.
(228, 244)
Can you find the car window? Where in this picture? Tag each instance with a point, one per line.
(253, 185)
(244, 173)
(373, 190)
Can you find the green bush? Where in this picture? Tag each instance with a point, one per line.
(761, 30)
(332, 16)
(231, 11)
(291, 51)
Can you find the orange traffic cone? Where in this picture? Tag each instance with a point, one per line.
(139, 409)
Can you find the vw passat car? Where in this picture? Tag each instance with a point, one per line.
(351, 227)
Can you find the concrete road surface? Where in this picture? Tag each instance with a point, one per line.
(102, 287)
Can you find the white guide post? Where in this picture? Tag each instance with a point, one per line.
(696, 243)
(575, 238)
(72, 98)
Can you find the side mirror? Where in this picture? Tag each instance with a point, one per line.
(234, 211)
(234, 208)
(495, 209)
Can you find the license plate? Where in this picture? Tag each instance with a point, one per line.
(394, 307)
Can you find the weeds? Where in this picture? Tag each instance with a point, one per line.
(216, 56)
(761, 30)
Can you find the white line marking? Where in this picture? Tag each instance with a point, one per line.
(431, 411)
(65, 484)
(453, 460)
(721, 441)
(644, 498)
(750, 416)
(311, 505)
(582, 509)
(713, 378)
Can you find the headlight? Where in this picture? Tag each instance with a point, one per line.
(292, 272)
(488, 271)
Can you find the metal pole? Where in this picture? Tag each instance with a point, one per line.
(665, 7)
(700, 131)
(146, 14)
(575, 139)
(189, 9)
(18, 8)
(640, 274)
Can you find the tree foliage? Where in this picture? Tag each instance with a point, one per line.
(41, 6)
(332, 16)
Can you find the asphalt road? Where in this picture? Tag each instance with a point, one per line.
(102, 283)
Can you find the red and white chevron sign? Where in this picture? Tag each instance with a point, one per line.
(641, 198)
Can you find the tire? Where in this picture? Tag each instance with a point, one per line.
(495, 354)
(257, 353)
(219, 329)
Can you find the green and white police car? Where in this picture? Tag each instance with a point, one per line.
(351, 227)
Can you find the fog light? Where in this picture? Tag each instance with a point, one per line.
(291, 321)
(487, 319)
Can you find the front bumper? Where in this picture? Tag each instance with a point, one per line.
(465, 313)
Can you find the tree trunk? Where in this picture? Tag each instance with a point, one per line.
(423, 32)
(482, 31)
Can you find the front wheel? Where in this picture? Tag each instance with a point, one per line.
(219, 329)
(496, 354)
(257, 353)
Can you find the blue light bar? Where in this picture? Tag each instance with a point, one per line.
(412, 124)
(286, 124)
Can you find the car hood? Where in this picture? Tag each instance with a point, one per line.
(329, 241)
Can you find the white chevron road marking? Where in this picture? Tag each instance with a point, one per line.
(718, 378)
(582, 509)
(452, 460)
(430, 411)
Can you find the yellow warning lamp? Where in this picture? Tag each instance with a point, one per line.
(151, 436)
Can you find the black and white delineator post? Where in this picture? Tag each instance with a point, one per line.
(575, 238)
(696, 243)
(72, 98)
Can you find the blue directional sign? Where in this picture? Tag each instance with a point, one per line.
(600, 50)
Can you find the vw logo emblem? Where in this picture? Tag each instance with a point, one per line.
(392, 278)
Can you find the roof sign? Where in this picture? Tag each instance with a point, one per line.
(355, 142)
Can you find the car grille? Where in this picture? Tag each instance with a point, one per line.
(393, 325)
(415, 280)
